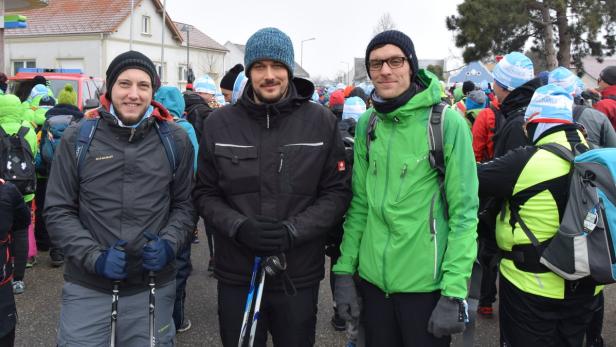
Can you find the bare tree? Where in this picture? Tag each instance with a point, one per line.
(385, 22)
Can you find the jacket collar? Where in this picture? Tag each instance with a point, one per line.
(609, 91)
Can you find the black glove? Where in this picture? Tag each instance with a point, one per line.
(345, 296)
(263, 235)
(448, 317)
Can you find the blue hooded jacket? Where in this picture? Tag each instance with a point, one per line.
(172, 99)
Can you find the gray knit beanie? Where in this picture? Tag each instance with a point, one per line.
(269, 44)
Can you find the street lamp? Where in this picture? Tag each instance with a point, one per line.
(186, 28)
(347, 72)
(301, 58)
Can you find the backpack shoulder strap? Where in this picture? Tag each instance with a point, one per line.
(371, 132)
(437, 156)
(162, 128)
(577, 111)
(85, 135)
(559, 150)
(2, 132)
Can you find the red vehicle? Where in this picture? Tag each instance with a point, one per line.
(88, 88)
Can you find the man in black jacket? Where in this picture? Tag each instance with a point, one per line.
(121, 209)
(272, 180)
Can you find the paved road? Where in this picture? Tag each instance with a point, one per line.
(39, 309)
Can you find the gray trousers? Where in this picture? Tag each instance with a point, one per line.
(85, 318)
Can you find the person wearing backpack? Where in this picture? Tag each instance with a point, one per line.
(57, 119)
(172, 99)
(412, 243)
(119, 204)
(18, 140)
(199, 103)
(14, 221)
(537, 307)
(598, 129)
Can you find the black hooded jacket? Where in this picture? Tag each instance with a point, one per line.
(285, 161)
(197, 110)
(511, 135)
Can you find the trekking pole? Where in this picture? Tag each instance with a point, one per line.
(115, 295)
(248, 306)
(152, 284)
(255, 316)
(114, 311)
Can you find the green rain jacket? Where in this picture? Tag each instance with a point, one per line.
(11, 119)
(387, 236)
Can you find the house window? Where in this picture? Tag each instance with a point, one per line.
(18, 64)
(182, 73)
(146, 25)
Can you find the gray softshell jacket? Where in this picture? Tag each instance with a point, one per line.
(126, 186)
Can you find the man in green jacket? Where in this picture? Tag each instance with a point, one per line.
(413, 267)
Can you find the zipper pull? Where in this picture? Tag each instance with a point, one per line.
(281, 161)
(374, 168)
(403, 173)
(132, 134)
(268, 123)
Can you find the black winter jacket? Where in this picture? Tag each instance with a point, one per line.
(512, 135)
(64, 109)
(197, 111)
(125, 188)
(284, 160)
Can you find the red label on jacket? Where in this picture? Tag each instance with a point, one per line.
(341, 166)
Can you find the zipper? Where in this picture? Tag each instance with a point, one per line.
(281, 162)
(132, 134)
(232, 145)
(396, 120)
(402, 179)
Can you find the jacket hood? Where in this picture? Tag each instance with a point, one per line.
(609, 91)
(64, 109)
(11, 109)
(429, 94)
(160, 112)
(172, 99)
(520, 97)
(300, 91)
(192, 98)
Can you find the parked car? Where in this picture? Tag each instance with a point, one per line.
(88, 88)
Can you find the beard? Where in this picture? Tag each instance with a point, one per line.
(270, 100)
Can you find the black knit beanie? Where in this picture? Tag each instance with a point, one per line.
(398, 39)
(228, 80)
(608, 75)
(130, 60)
(467, 87)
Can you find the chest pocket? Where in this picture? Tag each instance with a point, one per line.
(300, 167)
(238, 167)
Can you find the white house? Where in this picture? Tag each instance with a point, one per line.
(88, 34)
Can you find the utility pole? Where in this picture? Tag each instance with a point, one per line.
(301, 51)
(132, 6)
(162, 43)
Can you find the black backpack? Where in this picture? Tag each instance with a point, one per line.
(499, 122)
(17, 161)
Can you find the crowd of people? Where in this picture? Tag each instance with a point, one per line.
(427, 199)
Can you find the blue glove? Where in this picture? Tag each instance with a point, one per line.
(111, 264)
(156, 252)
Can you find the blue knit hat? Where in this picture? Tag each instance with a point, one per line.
(513, 70)
(269, 44)
(205, 84)
(565, 78)
(550, 104)
(353, 108)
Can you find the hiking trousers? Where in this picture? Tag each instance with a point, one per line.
(528, 320)
(398, 320)
(85, 317)
(291, 320)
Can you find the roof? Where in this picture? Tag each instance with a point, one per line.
(198, 38)
(241, 48)
(63, 17)
(593, 68)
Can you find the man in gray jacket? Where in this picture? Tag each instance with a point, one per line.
(119, 204)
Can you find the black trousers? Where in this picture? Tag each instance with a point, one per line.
(291, 320)
(529, 320)
(488, 259)
(8, 340)
(43, 242)
(400, 319)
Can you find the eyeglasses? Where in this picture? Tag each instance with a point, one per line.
(393, 62)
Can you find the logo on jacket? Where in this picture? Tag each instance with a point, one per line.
(341, 166)
(105, 157)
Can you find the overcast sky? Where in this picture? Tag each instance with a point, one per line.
(341, 29)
